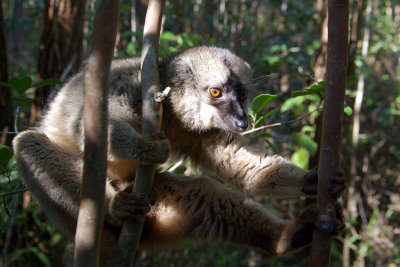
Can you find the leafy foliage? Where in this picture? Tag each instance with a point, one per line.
(21, 85)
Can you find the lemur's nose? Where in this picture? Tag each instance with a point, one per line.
(241, 124)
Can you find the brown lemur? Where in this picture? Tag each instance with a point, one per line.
(203, 116)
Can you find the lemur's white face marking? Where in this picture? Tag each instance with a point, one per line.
(211, 89)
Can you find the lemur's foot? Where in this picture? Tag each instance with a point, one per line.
(328, 226)
(128, 204)
(336, 187)
(309, 220)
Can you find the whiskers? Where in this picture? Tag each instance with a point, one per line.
(229, 136)
(259, 80)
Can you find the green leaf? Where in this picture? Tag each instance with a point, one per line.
(291, 102)
(41, 256)
(302, 93)
(261, 119)
(21, 85)
(300, 158)
(308, 143)
(180, 169)
(6, 155)
(250, 112)
(310, 77)
(261, 101)
(168, 36)
(322, 85)
(373, 217)
(131, 48)
(270, 59)
(271, 145)
(2, 84)
(348, 110)
(47, 82)
(23, 101)
(314, 98)
(318, 89)
(351, 79)
(307, 128)
(56, 238)
(263, 135)
(125, 7)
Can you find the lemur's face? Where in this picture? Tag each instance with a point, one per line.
(225, 104)
(211, 89)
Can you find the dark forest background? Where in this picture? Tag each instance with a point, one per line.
(43, 42)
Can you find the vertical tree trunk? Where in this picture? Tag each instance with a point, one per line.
(141, 7)
(6, 120)
(234, 23)
(138, 13)
(320, 69)
(60, 46)
(96, 75)
(320, 63)
(356, 22)
(151, 123)
(15, 42)
(338, 16)
(351, 203)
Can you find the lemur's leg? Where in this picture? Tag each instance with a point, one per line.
(202, 209)
(53, 177)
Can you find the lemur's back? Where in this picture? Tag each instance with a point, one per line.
(62, 123)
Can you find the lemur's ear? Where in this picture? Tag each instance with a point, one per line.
(183, 66)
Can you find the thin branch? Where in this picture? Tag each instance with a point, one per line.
(281, 123)
(16, 120)
(151, 123)
(68, 68)
(17, 110)
(13, 192)
(10, 225)
(274, 74)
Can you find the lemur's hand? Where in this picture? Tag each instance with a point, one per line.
(336, 187)
(310, 187)
(158, 149)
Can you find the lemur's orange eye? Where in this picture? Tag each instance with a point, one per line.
(215, 92)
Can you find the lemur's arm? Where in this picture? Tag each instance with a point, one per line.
(252, 171)
(125, 143)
